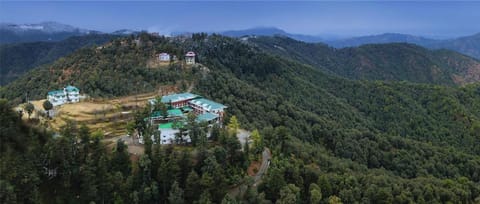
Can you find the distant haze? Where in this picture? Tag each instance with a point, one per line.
(340, 19)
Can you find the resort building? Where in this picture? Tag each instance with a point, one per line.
(179, 105)
(208, 110)
(176, 100)
(190, 58)
(69, 94)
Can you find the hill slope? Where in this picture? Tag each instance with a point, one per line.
(359, 140)
(18, 58)
(395, 61)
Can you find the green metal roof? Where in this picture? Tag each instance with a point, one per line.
(156, 114)
(206, 117)
(60, 92)
(178, 97)
(165, 125)
(208, 104)
(71, 88)
(170, 113)
(175, 112)
(56, 92)
(168, 125)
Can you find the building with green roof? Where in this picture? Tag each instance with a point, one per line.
(207, 117)
(182, 103)
(69, 94)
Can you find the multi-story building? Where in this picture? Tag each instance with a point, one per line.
(69, 94)
(208, 110)
(179, 105)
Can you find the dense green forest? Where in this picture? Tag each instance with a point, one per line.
(392, 62)
(18, 58)
(333, 139)
(77, 167)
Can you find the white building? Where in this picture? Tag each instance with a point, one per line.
(69, 94)
(164, 57)
(167, 136)
(190, 58)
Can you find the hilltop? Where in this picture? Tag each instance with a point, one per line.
(358, 140)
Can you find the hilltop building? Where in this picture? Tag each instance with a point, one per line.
(190, 58)
(179, 105)
(164, 57)
(69, 94)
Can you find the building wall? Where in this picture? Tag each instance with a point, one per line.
(190, 60)
(180, 104)
(56, 100)
(164, 58)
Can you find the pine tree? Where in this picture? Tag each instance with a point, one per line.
(205, 198)
(175, 196)
(334, 200)
(47, 106)
(121, 159)
(289, 194)
(315, 194)
(29, 108)
(233, 125)
(192, 187)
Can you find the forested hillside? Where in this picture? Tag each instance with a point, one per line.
(332, 138)
(18, 58)
(467, 45)
(392, 62)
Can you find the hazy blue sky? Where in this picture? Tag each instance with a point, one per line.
(441, 19)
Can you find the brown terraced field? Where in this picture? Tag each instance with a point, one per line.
(110, 115)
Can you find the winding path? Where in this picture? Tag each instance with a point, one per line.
(266, 157)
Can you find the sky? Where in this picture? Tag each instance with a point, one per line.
(344, 18)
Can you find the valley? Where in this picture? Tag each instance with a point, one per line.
(331, 127)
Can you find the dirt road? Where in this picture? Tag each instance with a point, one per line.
(266, 157)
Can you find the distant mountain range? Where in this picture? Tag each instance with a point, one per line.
(468, 45)
(46, 32)
(271, 31)
(53, 31)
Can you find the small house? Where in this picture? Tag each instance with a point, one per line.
(190, 58)
(164, 57)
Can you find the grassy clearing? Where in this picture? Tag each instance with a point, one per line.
(110, 116)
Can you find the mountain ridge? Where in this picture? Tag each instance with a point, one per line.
(394, 61)
(44, 31)
(469, 45)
